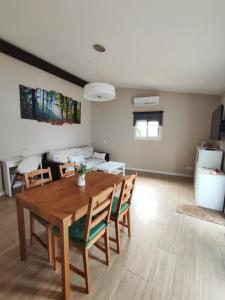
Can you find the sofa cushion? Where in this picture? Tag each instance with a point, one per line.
(58, 156)
(86, 151)
(78, 159)
(92, 162)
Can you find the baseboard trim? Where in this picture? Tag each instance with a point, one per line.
(159, 172)
(2, 194)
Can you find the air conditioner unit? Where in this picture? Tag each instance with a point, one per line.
(146, 101)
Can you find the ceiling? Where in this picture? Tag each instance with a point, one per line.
(176, 45)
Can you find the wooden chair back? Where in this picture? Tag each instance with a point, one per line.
(126, 191)
(64, 173)
(37, 178)
(99, 209)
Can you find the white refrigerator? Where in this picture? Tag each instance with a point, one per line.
(209, 186)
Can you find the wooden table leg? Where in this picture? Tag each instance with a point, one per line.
(21, 229)
(64, 244)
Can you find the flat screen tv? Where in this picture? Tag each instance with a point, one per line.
(216, 125)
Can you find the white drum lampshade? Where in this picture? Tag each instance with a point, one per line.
(99, 91)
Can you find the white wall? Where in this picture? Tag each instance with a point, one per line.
(187, 120)
(16, 133)
(222, 142)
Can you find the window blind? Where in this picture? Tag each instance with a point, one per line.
(148, 116)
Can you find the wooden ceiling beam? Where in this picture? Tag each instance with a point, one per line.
(38, 62)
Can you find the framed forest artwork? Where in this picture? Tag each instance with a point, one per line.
(48, 106)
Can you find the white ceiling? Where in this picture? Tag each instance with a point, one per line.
(175, 45)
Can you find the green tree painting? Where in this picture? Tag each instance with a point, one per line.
(64, 108)
(27, 101)
(41, 100)
(77, 112)
(48, 106)
(70, 110)
(57, 108)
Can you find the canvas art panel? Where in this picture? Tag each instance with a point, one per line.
(56, 108)
(70, 111)
(41, 101)
(77, 112)
(27, 102)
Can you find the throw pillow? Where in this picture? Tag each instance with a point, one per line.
(99, 155)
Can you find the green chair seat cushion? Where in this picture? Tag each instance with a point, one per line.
(77, 230)
(123, 207)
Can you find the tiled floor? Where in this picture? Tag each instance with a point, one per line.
(169, 256)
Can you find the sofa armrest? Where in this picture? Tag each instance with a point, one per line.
(53, 166)
(106, 154)
(107, 157)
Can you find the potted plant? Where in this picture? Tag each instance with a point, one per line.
(81, 170)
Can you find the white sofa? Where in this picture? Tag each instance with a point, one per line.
(90, 157)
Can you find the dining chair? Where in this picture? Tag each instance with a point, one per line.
(68, 169)
(34, 179)
(85, 232)
(28, 164)
(121, 208)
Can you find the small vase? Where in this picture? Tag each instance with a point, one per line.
(81, 180)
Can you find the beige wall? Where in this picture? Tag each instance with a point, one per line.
(223, 99)
(187, 120)
(16, 133)
(1, 186)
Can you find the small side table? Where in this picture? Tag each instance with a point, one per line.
(7, 167)
(112, 167)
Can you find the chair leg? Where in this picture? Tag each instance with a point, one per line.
(32, 229)
(106, 238)
(23, 183)
(49, 243)
(128, 223)
(117, 235)
(86, 268)
(14, 181)
(124, 218)
(55, 251)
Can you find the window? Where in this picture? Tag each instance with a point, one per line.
(148, 130)
(148, 125)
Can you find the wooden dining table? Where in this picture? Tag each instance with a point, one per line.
(61, 203)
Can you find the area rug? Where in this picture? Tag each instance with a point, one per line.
(202, 213)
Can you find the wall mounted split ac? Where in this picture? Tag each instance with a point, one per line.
(146, 101)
